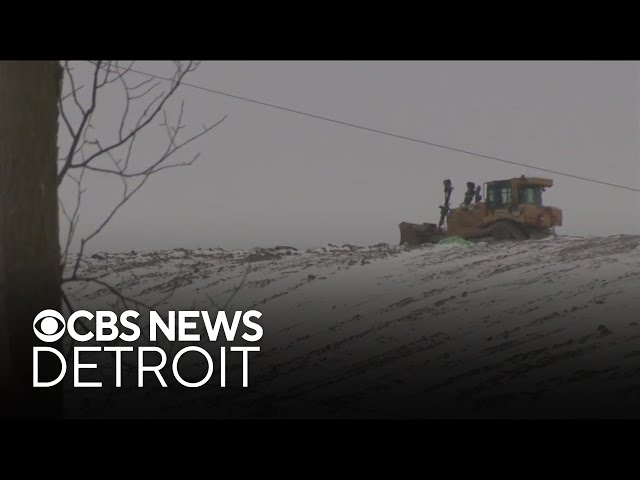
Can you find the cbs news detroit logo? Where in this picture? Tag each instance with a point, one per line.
(50, 326)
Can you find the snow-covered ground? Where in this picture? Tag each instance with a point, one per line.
(493, 329)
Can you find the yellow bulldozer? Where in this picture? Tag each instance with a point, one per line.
(512, 210)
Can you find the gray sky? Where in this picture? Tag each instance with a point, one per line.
(268, 177)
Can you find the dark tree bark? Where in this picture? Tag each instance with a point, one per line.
(29, 244)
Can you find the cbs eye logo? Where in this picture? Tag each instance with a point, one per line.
(49, 326)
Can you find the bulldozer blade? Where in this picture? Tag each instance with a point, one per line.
(417, 234)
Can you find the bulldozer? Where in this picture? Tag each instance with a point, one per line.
(512, 209)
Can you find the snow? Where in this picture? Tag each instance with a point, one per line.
(347, 328)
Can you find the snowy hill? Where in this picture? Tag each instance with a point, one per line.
(548, 327)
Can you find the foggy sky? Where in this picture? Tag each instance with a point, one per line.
(268, 177)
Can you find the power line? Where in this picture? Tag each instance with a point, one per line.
(382, 132)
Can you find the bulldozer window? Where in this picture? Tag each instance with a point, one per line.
(505, 195)
(531, 195)
(490, 196)
(499, 195)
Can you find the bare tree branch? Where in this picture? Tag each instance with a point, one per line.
(73, 219)
(86, 116)
(144, 121)
(142, 106)
(155, 167)
(74, 90)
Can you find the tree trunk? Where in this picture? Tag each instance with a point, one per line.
(29, 245)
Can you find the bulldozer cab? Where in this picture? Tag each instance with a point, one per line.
(517, 191)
